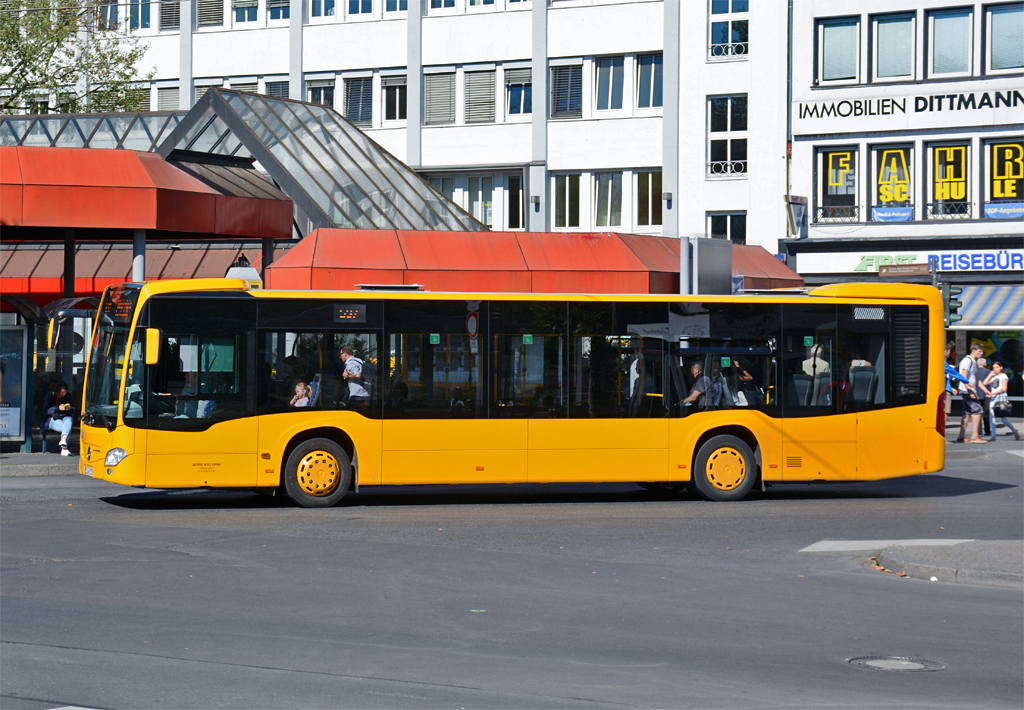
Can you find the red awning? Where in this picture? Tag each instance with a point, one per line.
(520, 262)
(36, 271)
(125, 189)
(761, 270)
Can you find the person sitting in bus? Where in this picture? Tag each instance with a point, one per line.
(399, 396)
(814, 364)
(701, 385)
(186, 404)
(302, 394)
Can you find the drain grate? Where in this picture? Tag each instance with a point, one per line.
(895, 663)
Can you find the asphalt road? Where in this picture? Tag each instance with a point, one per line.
(501, 597)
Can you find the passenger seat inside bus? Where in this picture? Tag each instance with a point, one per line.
(863, 384)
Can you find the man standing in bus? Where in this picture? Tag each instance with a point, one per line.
(972, 404)
(354, 375)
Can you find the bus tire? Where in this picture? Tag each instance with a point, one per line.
(724, 469)
(317, 474)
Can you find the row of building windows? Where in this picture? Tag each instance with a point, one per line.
(481, 90)
(630, 199)
(951, 190)
(907, 46)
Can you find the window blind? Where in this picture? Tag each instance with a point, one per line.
(480, 97)
(201, 90)
(839, 51)
(210, 13)
(518, 76)
(1008, 37)
(359, 101)
(167, 98)
(393, 80)
(277, 89)
(567, 92)
(439, 98)
(895, 47)
(278, 3)
(251, 88)
(951, 42)
(142, 94)
(170, 15)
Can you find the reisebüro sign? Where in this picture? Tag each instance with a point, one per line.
(946, 260)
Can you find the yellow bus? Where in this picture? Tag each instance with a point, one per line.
(206, 383)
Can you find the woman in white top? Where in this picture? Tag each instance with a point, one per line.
(997, 386)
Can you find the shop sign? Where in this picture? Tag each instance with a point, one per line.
(951, 260)
(1004, 210)
(892, 214)
(908, 111)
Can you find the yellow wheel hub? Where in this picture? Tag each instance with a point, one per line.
(726, 468)
(318, 473)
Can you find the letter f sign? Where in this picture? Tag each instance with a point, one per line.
(838, 167)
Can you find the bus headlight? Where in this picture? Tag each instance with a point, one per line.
(114, 457)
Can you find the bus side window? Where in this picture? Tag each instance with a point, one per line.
(812, 371)
(529, 359)
(617, 360)
(864, 356)
(435, 365)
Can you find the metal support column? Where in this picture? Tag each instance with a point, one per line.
(139, 255)
(267, 259)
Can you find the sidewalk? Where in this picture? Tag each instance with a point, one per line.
(14, 464)
(992, 563)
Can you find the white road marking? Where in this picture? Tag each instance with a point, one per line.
(856, 545)
(1018, 453)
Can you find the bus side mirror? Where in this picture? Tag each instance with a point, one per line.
(152, 346)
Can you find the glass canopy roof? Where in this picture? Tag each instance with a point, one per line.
(334, 174)
(130, 131)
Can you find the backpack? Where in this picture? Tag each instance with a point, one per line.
(369, 372)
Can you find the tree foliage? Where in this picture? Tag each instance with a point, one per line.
(68, 55)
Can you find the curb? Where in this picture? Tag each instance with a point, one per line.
(962, 564)
(37, 470)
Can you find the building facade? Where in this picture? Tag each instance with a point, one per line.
(631, 115)
(908, 138)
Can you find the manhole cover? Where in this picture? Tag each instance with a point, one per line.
(894, 663)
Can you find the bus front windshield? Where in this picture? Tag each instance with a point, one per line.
(107, 353)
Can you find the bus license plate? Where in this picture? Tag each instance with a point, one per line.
(88, 470)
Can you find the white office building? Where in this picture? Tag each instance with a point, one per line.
(622, 115)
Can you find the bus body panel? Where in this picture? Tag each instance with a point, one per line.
(276, 431)
(422, 451)
(684, 434)
(454, 434)
(223, 455)
(819, 448)
(597, 465)
(598, 450)
(455, 466)
(894, 442)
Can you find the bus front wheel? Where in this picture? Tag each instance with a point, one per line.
(317, 474)
(725, 469)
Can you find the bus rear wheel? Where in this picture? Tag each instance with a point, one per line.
(725, 469)
(317, 474)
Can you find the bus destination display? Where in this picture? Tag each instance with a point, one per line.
(349, 312)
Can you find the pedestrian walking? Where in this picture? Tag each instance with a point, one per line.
(968, 392)
(983, 395)
(999, 406)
